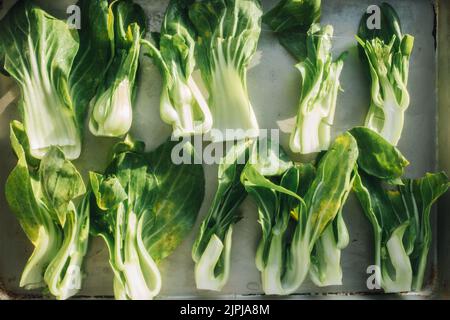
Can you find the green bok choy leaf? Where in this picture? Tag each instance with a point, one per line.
(290, 20)
(55, 70)
(48, 199)
(293, 15)
(95, 41)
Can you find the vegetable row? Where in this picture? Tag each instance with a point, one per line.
(55, 70)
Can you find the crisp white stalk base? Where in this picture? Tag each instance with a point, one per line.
(400, 262)
(326, 267)
(46, 246)
(63, 276)
(327, 271)
(136, 276)
(185, 109)
(48, 119)
(274, 282)
(232, 112)
(311, 134)
(112, 113)
(205, 275)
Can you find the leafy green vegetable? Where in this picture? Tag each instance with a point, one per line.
(399, 212)
(377, 156)
(293, 15)
(420, 195)
(63, 275)
(182, 104)
(326, 267)
(386, 52)
(294, 22)
(227, 37)
(95, 41)
(43, 197)
(212, 248)
(112, 113)
(400, 216)
(296, 26)
(315, 199)
(290, 20)
(38, 51)
(320, 85)
(145, 207)
(36, 222)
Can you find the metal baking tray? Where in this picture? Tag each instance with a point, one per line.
(274, 86)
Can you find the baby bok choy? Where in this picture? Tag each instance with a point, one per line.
(48, 199)
(55, 70)
(182, 103)
(326, 267)
(314, 198)
(112, 111)
(145, 206)
(93, 56)
(399, 210)
(38, 51)
(320, 86)
(227, 36)
(212, 248)
(294, 23)
(386, 52)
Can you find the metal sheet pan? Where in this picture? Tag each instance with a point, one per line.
(274, 90)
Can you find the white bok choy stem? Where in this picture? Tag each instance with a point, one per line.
(205, 268)
(211, 251)
(320, 87)
(137, 276)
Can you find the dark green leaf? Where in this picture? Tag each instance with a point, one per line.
(108, 192)
(291, 19)
(390, 25)
(293, 15)
(19, 190)
(176, 204)
(325, 196)
(61, 183)
(377, 157)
